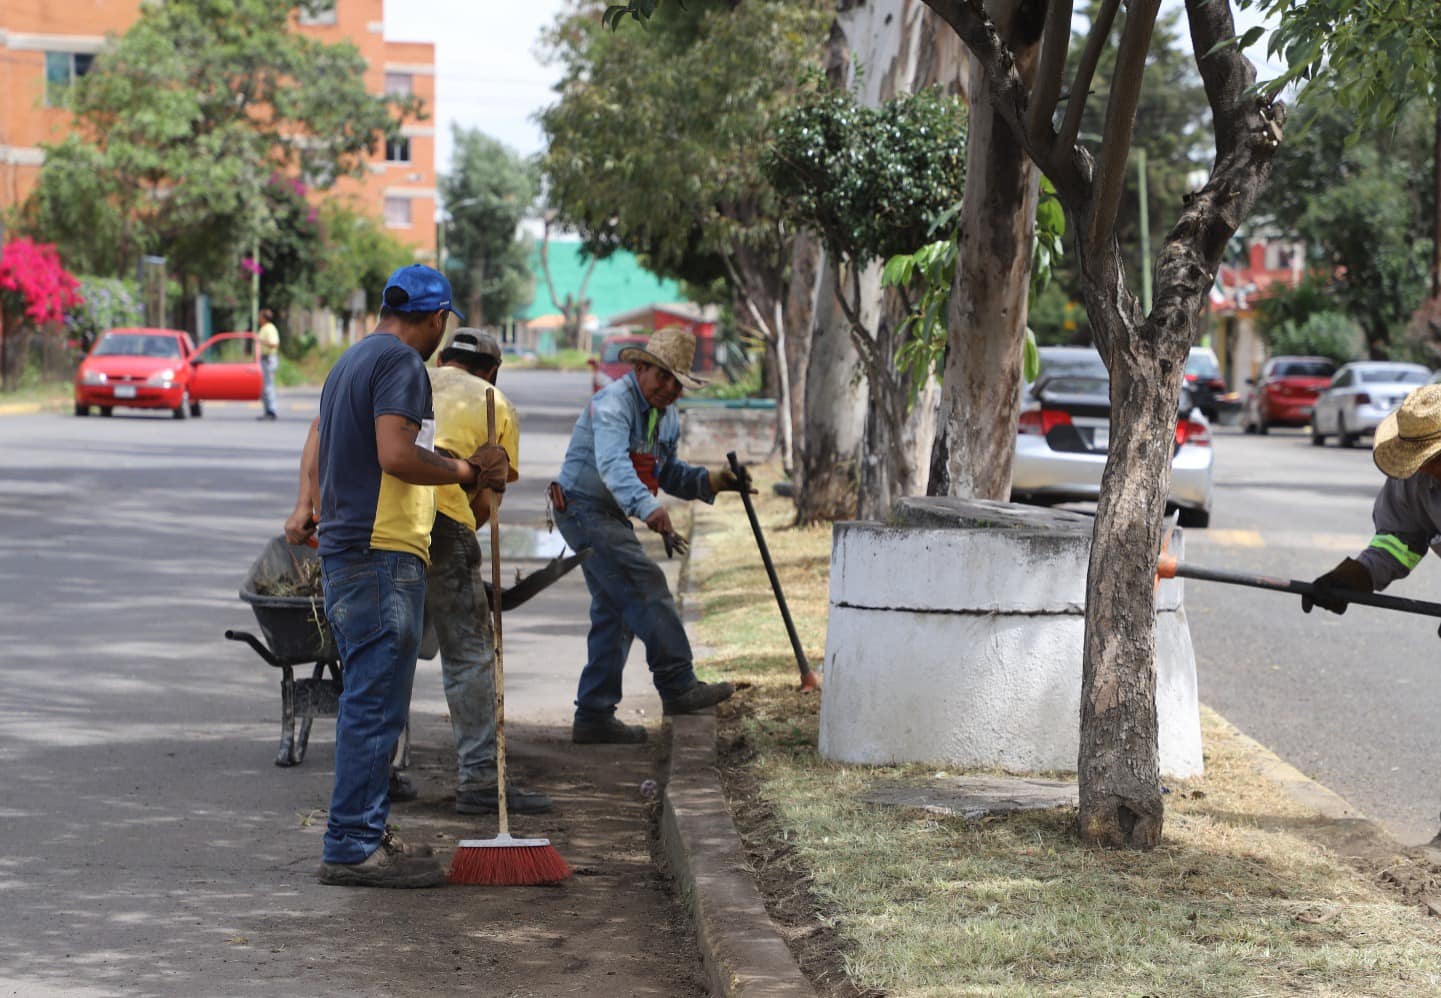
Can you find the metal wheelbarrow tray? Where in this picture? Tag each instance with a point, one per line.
(294, 632)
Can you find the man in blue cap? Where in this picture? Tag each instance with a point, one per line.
(374, 471)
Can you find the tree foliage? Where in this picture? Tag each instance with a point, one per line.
(652, 145)
(1360, 196)
(181, 124)
(359, 256)
(488, 192)
(872, 182)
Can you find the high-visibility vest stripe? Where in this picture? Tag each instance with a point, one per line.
(1397, 549)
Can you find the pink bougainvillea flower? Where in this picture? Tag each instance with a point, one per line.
(34, 282)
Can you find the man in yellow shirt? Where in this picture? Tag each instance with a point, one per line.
(269, 339)
(455, 597)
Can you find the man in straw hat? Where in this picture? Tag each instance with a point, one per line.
(1407, 513)
(622, 454)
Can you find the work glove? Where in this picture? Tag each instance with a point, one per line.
(492, 467)
(1350, 574)
(725, 480)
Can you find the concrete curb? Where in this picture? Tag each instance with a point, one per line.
(743, 952)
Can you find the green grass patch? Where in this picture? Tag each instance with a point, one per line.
(1241, 897)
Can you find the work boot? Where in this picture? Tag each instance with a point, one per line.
(393, 864)
(609, 731)
(698, 698)
(402, 788)
(517, 801)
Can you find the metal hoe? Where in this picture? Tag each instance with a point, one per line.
(809, 680)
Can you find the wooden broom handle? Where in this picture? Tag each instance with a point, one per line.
(499, 666)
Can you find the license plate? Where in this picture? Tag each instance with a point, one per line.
(1101, 437)
(125, 391)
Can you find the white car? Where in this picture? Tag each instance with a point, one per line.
(1360, 396)
(1065, 430)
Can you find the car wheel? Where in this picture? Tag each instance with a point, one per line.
(106, 410)
(1318, 439)
(81, 410)
(180, 411)
(195, 410)
(1342, 437)
(1187, 517)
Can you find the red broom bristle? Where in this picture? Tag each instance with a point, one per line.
(508, 866)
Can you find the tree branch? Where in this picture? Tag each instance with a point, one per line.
(1086, 72)
(1121, 117)
(1051, 70)
(861, 336)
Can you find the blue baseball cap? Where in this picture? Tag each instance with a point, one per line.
(426, 290)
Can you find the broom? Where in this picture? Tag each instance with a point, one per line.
(503, 861)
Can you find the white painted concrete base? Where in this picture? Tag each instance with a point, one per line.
(961, 645)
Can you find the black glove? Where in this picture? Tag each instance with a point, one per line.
(1350, 574)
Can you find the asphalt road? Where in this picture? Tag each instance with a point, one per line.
(1352, 701)
(151, 847)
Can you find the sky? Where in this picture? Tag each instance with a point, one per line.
(489, 74)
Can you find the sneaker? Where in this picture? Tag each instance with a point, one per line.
(699, 697)
(606, 732)
(393, 864)
(517, 801)
(402, 788)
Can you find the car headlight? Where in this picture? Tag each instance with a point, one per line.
(93, 378)
(161, 379)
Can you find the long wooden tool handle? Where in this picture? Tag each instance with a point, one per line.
(499, 666)
(1170, 568)
(808, 678)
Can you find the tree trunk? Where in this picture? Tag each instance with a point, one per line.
(987, 317)
(834, 421)
(800, 316)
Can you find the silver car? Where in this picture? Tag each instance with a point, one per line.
(1065, 431)
(1360, 396)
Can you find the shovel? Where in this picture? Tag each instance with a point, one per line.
(809, 680)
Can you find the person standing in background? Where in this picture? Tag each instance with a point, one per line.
(269, 339)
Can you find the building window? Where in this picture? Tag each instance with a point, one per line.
(317, 16)
(397, 150)
(397, 213)
(400, 84)
(61, 70)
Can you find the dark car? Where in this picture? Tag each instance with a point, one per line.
(1204, 382)
(1285, 393)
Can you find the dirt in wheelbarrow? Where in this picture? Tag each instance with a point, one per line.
(615, 928)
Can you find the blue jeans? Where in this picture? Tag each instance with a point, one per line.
(628, 598)
(455, 600)
(268, 364)
(374, 602)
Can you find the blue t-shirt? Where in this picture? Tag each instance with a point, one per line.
(360, 505)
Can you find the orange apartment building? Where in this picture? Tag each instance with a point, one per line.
(44, 45)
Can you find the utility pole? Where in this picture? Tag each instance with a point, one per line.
(255, 284)
(1145, 232)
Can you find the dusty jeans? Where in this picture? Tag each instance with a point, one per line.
(628, 598)
(456, 605)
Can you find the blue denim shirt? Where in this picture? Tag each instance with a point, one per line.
(597, 463)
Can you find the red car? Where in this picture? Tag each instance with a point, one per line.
(1286, 392)
(162, 369)
(609, 366)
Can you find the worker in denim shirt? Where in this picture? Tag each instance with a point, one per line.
(622, 454)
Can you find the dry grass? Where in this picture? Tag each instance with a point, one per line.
(1241, 898)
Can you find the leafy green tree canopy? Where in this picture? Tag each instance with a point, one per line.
(489, 190)
(653, 144)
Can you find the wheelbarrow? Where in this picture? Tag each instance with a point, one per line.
(294, 632)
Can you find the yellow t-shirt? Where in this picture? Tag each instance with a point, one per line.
(269, 338)
(460, 427)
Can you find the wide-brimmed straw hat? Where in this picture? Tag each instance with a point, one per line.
(670, 349)
(1410, 436)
